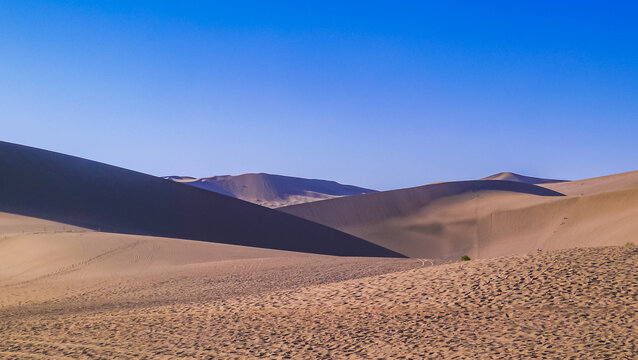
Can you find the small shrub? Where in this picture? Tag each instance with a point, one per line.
(465, 258)
(630, 245)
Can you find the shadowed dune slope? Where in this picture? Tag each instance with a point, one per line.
(372, 208)
(510, 176)
(272, 190)
(86, 193)
(42, 260)
(490, 223)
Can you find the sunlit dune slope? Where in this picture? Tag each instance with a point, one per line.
(597, 185)
(86, 193)
(575, 303)
(44, 262)
(486, 223)
(372, 208)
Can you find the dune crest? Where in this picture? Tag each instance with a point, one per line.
(597, 185)
(510, 176)
(272, 190)
(61, 261)
(430, 223)
(89, 194)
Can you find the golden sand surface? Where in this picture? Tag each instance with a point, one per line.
(448, 220)
(52, 273)
(576, 303)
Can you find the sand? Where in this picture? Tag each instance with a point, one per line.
(510, 176)
(85, 294)
(484, 223)
(48, 260)
(90, 194)
(597, 185)
(543, 281)
(272, 191)
(68, 292)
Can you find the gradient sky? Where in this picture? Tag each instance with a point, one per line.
(378, 94)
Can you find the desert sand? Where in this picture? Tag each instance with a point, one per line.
(448, 220)
(98, 196)
(53, 269)
(272, 191)
(102, 262)
(76, 293)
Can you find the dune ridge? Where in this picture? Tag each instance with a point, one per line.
(45, 261)
(372, 208)
(597, 185)
(595, 212)
(272, 190)
(510, 176)
(89, 194)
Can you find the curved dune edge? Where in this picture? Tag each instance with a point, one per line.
(597, 185)
(486, 223)
(510, 176)
(89, 194)
(418, 222)
(272, 190)
(371, 208)
(43, 261)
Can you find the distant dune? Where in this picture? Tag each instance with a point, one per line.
(86, 193)
(272, 190)
(447, 220)
(510, 176)
(373, 208)
(598, 185)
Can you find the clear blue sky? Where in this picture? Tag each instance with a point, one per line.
(377, 94)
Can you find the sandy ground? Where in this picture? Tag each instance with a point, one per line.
(54, 263)
(542, 284)
(577, 303)
(54, 271)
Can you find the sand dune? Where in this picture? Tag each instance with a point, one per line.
(417, 222)
(597, 185)
(43, 261)
(51, 270)
(510, 176)
(124, 296)
(85, 193)
(272, 190)
(372, 208)
(69, 291)
(487, 223)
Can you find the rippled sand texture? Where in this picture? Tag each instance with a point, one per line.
(578, 303)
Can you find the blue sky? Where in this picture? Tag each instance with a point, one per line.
(377, 94)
